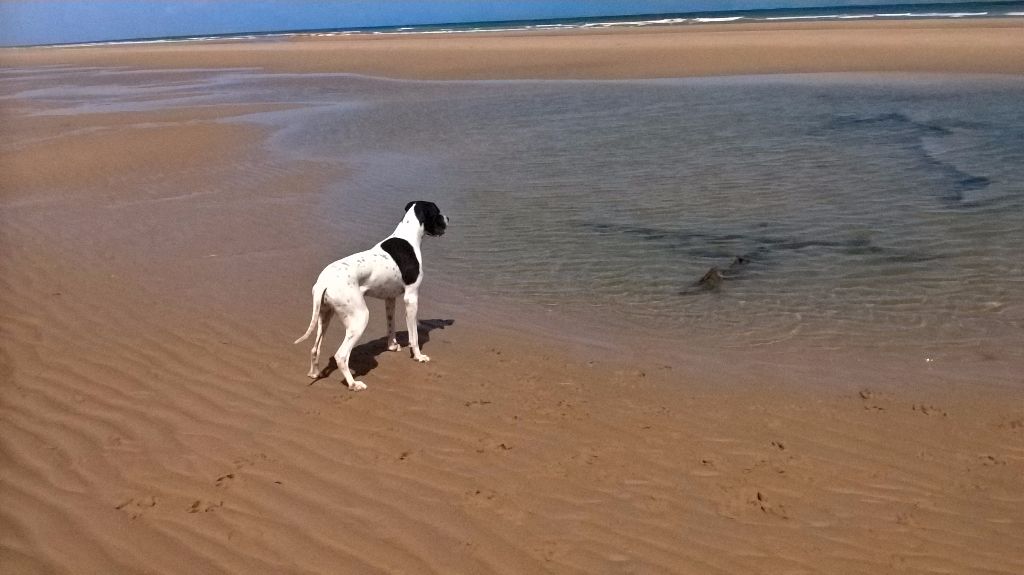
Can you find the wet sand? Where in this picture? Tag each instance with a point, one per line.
(154, 416)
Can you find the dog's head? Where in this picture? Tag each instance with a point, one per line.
(433, 221)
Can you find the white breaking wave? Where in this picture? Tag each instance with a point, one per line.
(723, 19)
(816, 17)
(167, 40)
(932, 15)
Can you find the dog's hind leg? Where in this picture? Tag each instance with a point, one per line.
(322, 321)
(355, 325)
(389, 308)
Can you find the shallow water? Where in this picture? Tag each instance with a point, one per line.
(869, 211)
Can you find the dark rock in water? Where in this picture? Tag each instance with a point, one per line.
(712, 280)
(716, 276)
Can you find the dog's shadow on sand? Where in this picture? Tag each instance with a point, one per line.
(364, 356)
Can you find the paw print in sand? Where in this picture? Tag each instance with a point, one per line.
(200, 506)
(135, 507)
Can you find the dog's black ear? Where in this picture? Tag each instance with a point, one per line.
(429, 215)
(425, 211)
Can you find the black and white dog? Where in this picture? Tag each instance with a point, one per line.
(385, 271)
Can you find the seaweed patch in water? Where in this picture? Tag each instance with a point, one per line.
(901, 127)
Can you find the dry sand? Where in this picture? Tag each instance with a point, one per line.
(154, 416)
(983, 45)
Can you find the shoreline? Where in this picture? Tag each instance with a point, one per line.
(976, 46)
(155, 416)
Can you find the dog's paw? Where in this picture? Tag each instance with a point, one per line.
(357, 386)
(421, 358)
(394, 347)
(322, 372)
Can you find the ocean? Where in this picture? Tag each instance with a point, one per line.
(863, 12)
(873, 214)
(958, 10)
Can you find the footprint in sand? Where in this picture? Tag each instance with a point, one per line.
(200, 506)
(225, 480)
(929, 409)
(760, 501)
(870, 400)
(1013, 424)
(135, 507)
(707, 469)
(243, 462)
(479, 495)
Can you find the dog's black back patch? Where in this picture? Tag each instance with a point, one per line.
(401, 251)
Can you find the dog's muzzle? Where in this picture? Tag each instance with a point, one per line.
(439, 227)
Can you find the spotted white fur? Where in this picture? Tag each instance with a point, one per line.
(344, 285)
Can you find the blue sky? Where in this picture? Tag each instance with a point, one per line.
(52, 21)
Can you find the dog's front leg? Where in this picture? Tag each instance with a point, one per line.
(411, 308)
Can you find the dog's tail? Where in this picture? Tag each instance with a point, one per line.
(318, 298)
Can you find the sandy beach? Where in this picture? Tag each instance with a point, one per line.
(155, 418)
(976, 46)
